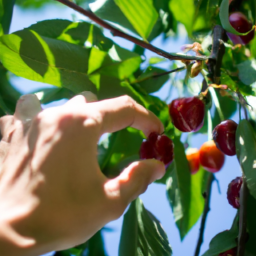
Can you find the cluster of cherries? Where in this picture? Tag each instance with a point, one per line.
(187, 115)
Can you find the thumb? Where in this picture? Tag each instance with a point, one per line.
(134, 181)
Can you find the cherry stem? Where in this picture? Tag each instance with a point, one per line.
(159, 74)
(119, 33)
(205, 213)
(216, 103)
(209, 119)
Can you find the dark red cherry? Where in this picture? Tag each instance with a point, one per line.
(231, 252)
(159, 147)
(241, 24)
(211, 158)
(224, 136)
(233, 193)
(187, 114)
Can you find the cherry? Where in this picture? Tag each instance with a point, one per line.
(211, 158)
(187, 114)
(159, 147)
(192, 155)
(224, 136)
(231, 252)
(233, 193)
(241, 24)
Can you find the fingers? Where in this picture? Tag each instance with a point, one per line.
(28, 106)
(121, 112)
(132, 182)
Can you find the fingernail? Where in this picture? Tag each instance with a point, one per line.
(159, 168)
(90, 97)
(28, 106)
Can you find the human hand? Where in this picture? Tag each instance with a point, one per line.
(53, 194)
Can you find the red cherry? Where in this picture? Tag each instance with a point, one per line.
(241, 24)
(211, 158)
(187, 114)
(192, 155)
(233, 193)
(224, 136)
(159, 147)
(231, 252)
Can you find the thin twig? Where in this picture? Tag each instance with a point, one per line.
(158, 75)
(205, 213)
(119, 33)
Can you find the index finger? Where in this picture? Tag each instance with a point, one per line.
(121, 112)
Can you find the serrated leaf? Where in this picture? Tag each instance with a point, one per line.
(6, 9)
(247, 71)
(184, 191)
(224, 18)
(246, 153)
(141, 14)
(183, 11)
(29, 55)
(142, 234)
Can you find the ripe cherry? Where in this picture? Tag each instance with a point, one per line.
(231, 252)
(187, 114)
(211, 158)
(224, 136)
(233, 193)
(241, 24)
(192, 155)
(159, 147)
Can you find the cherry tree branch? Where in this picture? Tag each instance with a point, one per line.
(119, 33)
(214, 65)
(205, 213)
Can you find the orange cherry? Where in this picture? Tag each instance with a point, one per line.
(192, 155)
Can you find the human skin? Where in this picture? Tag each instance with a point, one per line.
(53, 194)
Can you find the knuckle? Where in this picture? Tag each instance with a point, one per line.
(129, 101)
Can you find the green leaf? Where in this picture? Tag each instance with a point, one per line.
(53, 94)
(141, 14)
(183, 11)
(120, 63)
(118, 150)
(96, 245)
(156, 60)
(184, 191)
(6, 9)
(9, 95)
(247, 71)
(142, 234)
(73, 32)
(27, 54)
(109, 10)
(224, 18)
(246, 153)
(222, 242)
(152, 84)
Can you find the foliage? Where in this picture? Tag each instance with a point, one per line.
(78, 56)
